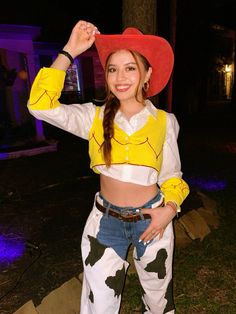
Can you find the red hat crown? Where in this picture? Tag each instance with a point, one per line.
(155, 49)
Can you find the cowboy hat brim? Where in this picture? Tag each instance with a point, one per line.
(155, 49)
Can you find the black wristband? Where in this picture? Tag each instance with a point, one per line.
(69, 56)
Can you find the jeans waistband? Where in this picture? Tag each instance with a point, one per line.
(154, 202)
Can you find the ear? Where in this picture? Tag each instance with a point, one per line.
(148, 74)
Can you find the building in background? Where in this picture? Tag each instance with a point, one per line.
(21, 56)
(221, 65)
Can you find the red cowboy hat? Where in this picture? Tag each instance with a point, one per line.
(154, 48)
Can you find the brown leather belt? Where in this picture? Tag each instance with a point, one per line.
(127, 218)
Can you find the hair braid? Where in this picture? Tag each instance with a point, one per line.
(111, 108)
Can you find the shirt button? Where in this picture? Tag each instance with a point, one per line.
(127, 138)
(126, 148)
(126, 158)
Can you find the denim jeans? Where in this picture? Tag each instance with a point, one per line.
(119, 234)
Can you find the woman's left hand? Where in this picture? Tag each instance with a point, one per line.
(161, 217)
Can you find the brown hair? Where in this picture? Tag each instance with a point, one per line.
(112, 105)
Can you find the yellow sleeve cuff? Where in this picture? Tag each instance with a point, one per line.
(46, 89)
(175, 190)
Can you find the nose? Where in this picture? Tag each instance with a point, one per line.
(120, 75)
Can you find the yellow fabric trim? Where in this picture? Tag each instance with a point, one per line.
(46, 89)
(175, 190)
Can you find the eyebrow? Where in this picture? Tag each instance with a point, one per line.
(129, 63)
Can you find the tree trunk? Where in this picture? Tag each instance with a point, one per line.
(140, 14)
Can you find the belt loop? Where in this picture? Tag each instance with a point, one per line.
(141, 215)
(107, 209)
(139, 212)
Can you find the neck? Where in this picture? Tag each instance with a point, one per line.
(131, 108)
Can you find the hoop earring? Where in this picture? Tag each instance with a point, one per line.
(146, 87)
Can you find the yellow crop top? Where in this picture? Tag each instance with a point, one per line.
(143, 147)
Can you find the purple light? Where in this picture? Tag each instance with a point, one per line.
(208, 183)
(11, 248)
(3, 156)
(16, 108)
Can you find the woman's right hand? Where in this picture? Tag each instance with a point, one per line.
(82, 37)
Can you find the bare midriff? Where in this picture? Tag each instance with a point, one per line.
(126, 194)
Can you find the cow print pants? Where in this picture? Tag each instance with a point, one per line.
(105, 243)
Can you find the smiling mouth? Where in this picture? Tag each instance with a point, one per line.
(122, 88)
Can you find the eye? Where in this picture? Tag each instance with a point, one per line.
(131, 68)
(111, 70)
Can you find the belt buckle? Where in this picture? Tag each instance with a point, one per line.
(120, 217)
(130, 215)
(126, 214)
(123, 216)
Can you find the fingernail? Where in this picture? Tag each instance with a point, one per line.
(139, 240)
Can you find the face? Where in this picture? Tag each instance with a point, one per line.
(125, 77)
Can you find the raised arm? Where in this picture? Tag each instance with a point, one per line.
(82, 37)
(46, 89)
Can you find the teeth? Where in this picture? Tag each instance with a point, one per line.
(122, 87)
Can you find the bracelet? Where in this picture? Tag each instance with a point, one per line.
(69, 56)
(172, 207)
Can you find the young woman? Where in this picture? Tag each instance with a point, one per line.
(133, 147)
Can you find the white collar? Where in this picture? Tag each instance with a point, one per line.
(147, 110)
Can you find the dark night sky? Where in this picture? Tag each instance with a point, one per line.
(57, 19)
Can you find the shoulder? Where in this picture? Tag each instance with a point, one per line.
(171, 119)
(172, 124)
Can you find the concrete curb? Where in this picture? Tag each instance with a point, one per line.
(50, 147)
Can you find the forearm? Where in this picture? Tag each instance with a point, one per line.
(81, 39)
(175, 191)
(61, 62)
(170, 179)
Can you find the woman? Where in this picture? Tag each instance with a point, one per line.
(133, 147)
